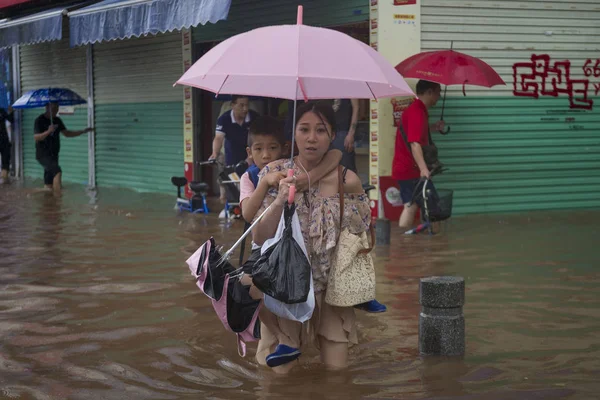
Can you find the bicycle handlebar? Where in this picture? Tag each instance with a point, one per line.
(209, 162)
(436, 171)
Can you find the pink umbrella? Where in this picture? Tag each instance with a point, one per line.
(296, 62)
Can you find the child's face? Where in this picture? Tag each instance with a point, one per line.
(264, 150)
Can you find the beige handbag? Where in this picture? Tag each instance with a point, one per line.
(352, 275)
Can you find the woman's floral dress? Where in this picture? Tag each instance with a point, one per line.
(319, 220)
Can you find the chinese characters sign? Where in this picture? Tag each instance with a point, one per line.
(543, 77)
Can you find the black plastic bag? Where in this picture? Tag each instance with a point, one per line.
(283, 270)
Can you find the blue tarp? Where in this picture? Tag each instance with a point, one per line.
(36, 28)
(121, 19)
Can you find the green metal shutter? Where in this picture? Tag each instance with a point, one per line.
(55, 64)
(509, 153)
(138, 112)
(245, 15)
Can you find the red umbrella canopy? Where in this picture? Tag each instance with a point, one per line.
(449, 67)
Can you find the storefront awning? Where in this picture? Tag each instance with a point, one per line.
(121, 19)
(41, 27)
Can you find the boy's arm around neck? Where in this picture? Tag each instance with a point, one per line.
(330, 162)
(252, 204)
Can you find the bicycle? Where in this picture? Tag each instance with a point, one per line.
(197, 204)
(229, 177)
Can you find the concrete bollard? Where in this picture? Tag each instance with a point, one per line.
(441, 321)
(383, 229)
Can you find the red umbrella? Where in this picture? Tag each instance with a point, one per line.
(449, 67)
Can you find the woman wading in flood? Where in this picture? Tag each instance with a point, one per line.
(331, 329)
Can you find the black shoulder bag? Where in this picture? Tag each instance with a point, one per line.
(430, 152)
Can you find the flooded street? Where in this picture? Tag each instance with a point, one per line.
(96, 302)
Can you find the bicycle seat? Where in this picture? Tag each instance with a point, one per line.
(199, 187)
(179, 181)
(367, 188)
(241, 167)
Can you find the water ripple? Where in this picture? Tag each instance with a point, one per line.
(96, 302)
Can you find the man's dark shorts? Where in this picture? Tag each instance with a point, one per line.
(51, 169)
(5, 153)
(415, 186)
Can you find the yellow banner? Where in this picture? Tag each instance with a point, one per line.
(188, 109)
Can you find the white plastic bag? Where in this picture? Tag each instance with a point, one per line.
(300, 312)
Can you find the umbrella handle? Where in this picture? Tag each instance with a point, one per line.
(445, 132)
(292, 193)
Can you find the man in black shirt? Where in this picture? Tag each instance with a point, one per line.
(5, 142)
(47, 130)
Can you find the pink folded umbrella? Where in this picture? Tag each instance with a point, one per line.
(296, 62)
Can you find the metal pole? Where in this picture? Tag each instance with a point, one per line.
(17, 128)
(90, 113)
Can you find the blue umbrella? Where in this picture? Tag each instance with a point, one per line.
(41, 97)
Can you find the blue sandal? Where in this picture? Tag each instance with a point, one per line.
(372, 306)
(283, 354)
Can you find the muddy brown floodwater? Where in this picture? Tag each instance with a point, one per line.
(96, 302)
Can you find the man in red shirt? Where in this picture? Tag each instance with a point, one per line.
(409, 165)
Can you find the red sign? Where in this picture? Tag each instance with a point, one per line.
(188, 172)
(399, 106)
(404, 2)
(374, 136)
(389, 195)
(373, 204)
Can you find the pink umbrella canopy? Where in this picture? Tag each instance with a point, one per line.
(296, 62)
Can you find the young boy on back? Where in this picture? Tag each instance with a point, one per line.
(266, 143)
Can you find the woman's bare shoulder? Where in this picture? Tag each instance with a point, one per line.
(352, 183)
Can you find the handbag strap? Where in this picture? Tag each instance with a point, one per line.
(341, 192)
(341, 175)
(404, 137)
